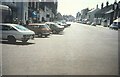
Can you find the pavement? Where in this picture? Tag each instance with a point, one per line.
(79, 50)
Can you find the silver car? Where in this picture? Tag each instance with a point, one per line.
(13, 32)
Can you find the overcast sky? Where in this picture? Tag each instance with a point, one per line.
(68, 7)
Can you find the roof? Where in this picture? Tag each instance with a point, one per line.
(104, 10)
(93, 10)
(110, 11)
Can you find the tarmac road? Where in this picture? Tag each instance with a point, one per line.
(80, 50)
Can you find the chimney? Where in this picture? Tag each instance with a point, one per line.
(102, 6)
(107, 3)
(116, 1)
(97, 6)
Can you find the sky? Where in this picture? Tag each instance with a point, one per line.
(71, 7)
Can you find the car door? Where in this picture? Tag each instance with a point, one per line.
(53, 26)
(8, 30)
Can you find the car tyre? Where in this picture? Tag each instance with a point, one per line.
(39, 35)
(11, 39)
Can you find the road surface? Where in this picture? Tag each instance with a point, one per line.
(80, 50)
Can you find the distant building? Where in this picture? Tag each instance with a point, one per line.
(19, 10)
(32, 11)
(107, 14)
(50, 8)
(40, 11)
(68, 17)
(59, 16)
(22, 13)
(84, 13)
(78, 16)
(12, 5)
(103, 13)
(5, 13)
(91, 14)
(49, 14)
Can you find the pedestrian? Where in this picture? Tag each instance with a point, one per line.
(21, 22)
(27, 22)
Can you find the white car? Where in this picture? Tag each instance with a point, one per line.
(13, 32)
(61, 23)
(116, 24)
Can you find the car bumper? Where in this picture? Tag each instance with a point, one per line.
(46, 33)
(26, 37)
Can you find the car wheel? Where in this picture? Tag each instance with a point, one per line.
(39, 35)
(11, 39)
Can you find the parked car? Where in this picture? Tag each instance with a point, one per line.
(113, 26)
(40, 29)
(84, 21)
(68, 23)
(79, 21)
(55, 28)
(61, 23)
(116, 24)
(93, 24)
(104, 23)
(88, 23)
(13, 32)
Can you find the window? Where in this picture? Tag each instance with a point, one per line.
(13, 29)
(47, 15)
(35, 26)
(7, 28)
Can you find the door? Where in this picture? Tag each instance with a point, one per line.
(8, 30)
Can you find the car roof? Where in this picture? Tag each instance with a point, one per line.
(33, 24)
(50, 22)
(117, 20)
(9, 24)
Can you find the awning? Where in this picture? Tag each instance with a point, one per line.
(3, 7)
(110, 11)
(117, 20)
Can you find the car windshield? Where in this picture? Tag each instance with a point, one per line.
(57, 25)
(20, 27)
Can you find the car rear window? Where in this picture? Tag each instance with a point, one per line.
(43, 26)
